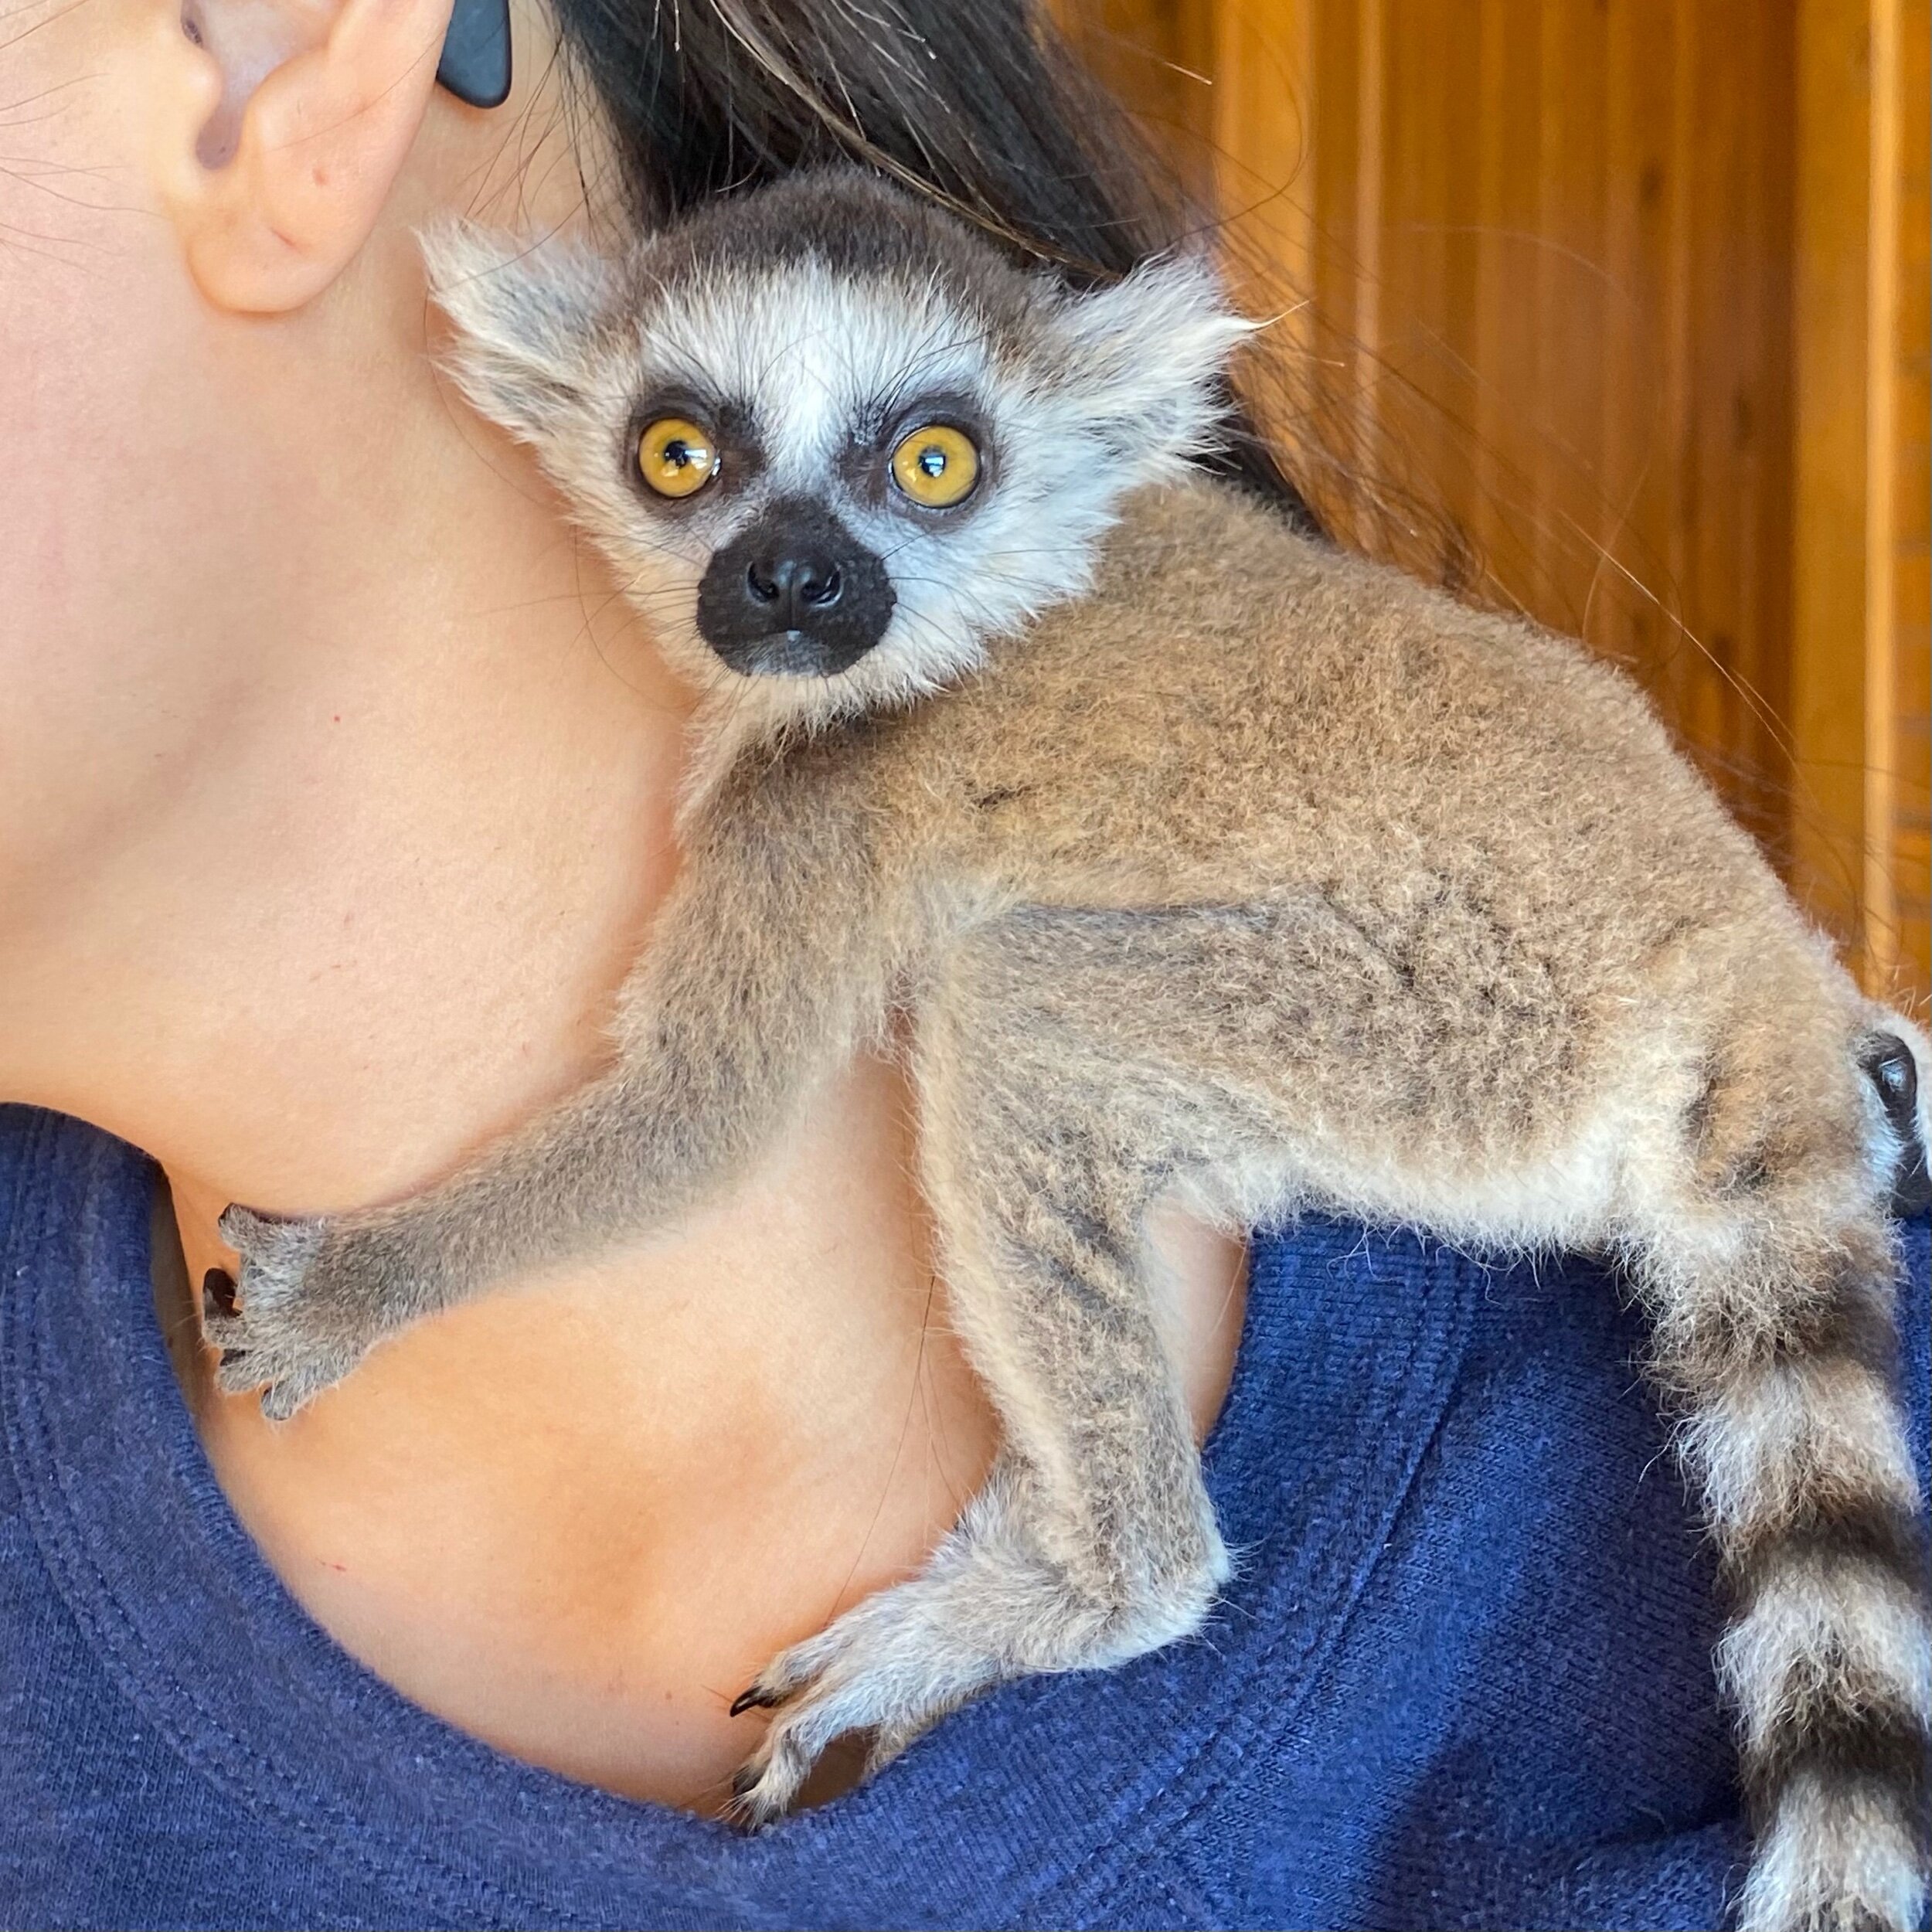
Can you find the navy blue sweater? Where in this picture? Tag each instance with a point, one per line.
(1462, 1678)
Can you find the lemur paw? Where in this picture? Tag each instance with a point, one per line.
(280, 1328)
(859, 1675)
(988, 1608)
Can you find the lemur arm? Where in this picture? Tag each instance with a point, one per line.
(771, 962)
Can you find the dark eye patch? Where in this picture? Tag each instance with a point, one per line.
(741, 457)
(866, 464)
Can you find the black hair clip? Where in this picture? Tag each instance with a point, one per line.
(475, 66)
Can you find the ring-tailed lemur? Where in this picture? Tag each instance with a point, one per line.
(1199, 856)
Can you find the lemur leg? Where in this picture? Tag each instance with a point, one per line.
(1093, 1540)
(769, 966)
(1761, 1245)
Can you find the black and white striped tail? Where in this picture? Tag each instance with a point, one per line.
(1778, 1326)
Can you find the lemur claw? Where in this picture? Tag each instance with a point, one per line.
(881, 1667)
(278, 1329)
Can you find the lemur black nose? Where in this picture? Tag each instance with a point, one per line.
(793, 583)
(796, 595)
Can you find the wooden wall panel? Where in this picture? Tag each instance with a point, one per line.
(1859, 669)
(1900, 726)
(1829, 282)
(1575, 300)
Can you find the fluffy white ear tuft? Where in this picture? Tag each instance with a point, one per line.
(1144, 357)
(526, 316)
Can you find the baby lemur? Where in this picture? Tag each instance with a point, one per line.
(1185, 854)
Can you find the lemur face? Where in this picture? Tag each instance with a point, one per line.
(832, 441)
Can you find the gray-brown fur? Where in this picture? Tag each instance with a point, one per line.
(1252, 872)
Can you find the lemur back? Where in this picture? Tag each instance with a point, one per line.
(1199, 859)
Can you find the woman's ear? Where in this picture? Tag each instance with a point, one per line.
(280, 127)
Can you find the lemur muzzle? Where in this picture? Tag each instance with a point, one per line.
(796, 595)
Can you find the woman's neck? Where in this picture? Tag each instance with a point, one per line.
(378, 912)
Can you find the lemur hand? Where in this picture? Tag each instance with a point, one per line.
(311, 1301)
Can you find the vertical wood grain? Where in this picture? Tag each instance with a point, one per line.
(1879, 910)
(1370, 156)
(1830, 338)
(1911, 501)
(1675, 671)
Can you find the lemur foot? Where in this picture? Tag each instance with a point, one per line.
(874, 1669)
(285, 1328)
(987, 1609)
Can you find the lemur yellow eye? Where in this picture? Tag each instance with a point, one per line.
(676, 457)
(937, 466)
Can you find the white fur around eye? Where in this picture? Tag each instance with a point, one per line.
(1115, 391)
(810, 356)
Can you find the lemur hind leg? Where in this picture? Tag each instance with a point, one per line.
(1093, 1540)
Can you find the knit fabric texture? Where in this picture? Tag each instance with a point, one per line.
(1461, 1677)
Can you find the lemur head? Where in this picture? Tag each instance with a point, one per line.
(832, 440)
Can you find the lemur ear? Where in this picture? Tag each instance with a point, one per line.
(524, 316)
(1145, 357)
